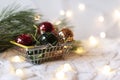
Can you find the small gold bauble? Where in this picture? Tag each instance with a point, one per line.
(66, 35)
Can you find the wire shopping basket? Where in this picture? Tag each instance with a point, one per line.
(40, 54)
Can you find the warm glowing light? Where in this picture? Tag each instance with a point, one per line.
(62, 12)
(117, 14)
(67, 67)
(57, 22)
(81, 7)
(106, 70)
(60, 75)
(69, 13)
(19, 72)
(37, 17)
(93, 41)
(102, 34)
(17, 59)
(61, 72)
(101, 19)
(66, 47)
(80, 50)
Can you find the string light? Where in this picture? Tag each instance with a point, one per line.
(37, 17)
(106, 70)
(81, 6)
(62, 12)
(102, 34)
(69, 14)
(67, 67)
(19, 72)
(80, 50)
(117, 14)
(60, 75)
(17, 59)
(93, 41)
(101, 19)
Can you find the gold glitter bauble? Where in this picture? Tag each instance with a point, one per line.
(66, 35)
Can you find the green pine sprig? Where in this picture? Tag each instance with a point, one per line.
(14, 22)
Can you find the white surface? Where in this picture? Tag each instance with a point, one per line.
(88, 66)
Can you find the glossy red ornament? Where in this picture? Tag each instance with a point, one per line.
(24, 39)
(45, 27)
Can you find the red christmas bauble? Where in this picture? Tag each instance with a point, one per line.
(45, 27)
(24, 39)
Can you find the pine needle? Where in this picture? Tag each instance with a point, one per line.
(14, 22)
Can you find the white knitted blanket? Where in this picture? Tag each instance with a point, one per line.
(98, 63)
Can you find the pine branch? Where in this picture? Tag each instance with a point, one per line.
(14, 22)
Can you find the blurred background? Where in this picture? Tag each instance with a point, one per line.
(89, 17)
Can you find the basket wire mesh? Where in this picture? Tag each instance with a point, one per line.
(45, 53)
